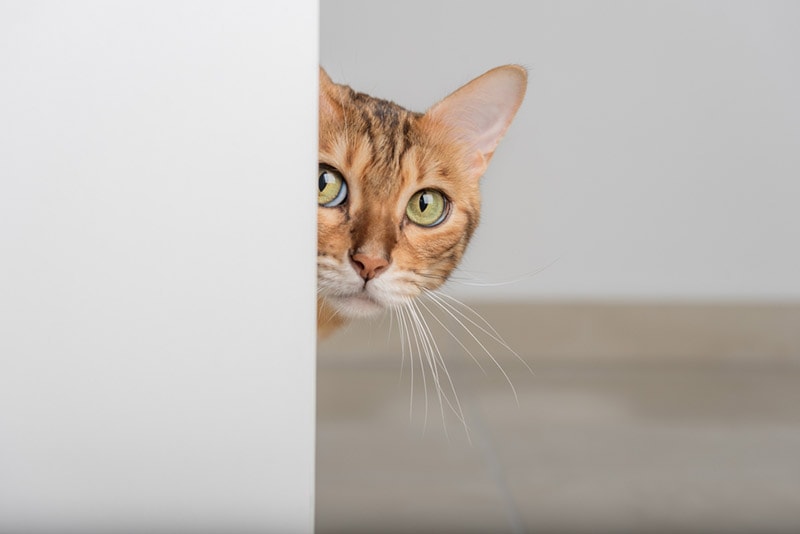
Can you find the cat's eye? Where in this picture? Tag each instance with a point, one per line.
(427, 207)
(332, 188)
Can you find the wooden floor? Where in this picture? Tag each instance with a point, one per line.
(635, 418)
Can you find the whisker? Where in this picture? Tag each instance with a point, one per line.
(457, 409)
(406, 341)
(392, 312)
(488, 353)
(413, 328)
(474, 359)
(426, 349)
(333, 313)
(493, 334)
(456, 278)
(488, 325)
(391, 324)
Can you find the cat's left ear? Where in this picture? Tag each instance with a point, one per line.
(479, 113)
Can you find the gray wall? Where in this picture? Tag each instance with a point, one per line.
(657, 154)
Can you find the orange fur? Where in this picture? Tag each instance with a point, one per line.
(385, 154)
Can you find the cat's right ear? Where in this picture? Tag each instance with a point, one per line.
(328, 107)
(324, 79)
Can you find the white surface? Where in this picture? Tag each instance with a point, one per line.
(657, 154)
(157, 354)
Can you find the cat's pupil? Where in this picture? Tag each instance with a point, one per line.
(324, 180)
(425, 200)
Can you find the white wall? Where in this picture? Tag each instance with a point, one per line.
(157, 278)
(657, 154)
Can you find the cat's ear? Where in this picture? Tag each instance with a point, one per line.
(327, 89)
(479, 113)
(324, 80)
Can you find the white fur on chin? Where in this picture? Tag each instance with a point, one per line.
(357, 306)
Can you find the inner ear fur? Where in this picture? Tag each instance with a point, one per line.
(478, 114)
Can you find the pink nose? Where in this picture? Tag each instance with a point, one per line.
(368, 267)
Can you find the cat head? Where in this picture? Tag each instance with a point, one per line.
(399, 193)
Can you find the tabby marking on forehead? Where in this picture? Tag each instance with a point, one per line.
(374, 143)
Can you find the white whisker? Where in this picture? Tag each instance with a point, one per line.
(429, 357)
(468, 308)
(456, 278)
(406, 327)
(392, 311)
(457, 409)
(412, 326)
(493, 334)
(478, 341)
(474, 359)
(426, 349)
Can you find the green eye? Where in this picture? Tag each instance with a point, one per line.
(332, 189)
(427, 207)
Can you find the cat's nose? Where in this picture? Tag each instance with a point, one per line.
(368, 267)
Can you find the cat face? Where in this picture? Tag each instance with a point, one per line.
(399, 192)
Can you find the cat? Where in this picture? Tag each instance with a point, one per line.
(399, 195)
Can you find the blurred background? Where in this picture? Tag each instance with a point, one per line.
(638, 251)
